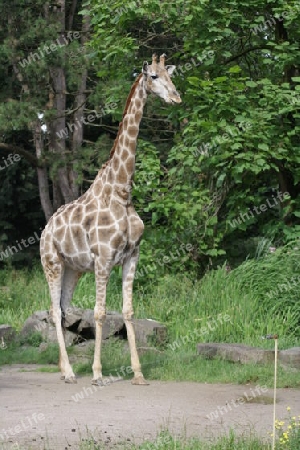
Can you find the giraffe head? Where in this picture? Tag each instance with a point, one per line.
(158, 82)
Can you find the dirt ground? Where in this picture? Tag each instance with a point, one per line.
(39, 411)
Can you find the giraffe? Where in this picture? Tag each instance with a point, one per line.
(101, 228)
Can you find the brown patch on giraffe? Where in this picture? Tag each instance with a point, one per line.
(46, 247)
(116, 164)
(58, 221)
(59, 234)
(117, 240)
(78, 236)
(104, 234)
(68, 244)
(138, 104)
(91, 207)
(98, 189)
(138, 115)
(118, 210)
(110, 176)
(105, 219)
(122, 175)
(123, 225)
(125, 154)
(132, 132)
(127, 142)
(107, 190)
(88, 221)
(77, 215)
(130, 164)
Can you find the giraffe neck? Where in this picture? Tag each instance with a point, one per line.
(122, 160)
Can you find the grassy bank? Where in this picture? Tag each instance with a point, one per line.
(259, 297)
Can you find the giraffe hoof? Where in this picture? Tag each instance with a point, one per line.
(71, 380)
(98, 382)
(139, 381)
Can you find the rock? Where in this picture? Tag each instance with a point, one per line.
(86, 327)
(47, 330)
(41, 315)
(33, 325)
(112, 326)
(7, 334)
(73, 317)
(236, 353)
(80, 325)
(148, 329)
(290, 357)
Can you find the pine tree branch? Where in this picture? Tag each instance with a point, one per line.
(9, 148)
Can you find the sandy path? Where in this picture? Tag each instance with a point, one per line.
(37, 408)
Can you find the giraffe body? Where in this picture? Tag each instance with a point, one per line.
(101, 229)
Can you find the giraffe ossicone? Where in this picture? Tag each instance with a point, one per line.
(101, 228)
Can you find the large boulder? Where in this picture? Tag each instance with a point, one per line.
(290, 357)
(236, 353)
(80, 326)
(244, 354)
(40, 322)
(148, 331)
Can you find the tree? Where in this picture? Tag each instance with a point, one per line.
(238, 149)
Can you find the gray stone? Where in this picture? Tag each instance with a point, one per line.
(7, 334)
(47, 331)
(73, 317)
(236, 353)
(41, 315)
(33, 325)
(113, 325)
(80, 325)
(147, 330)
(290, 357)
(86, 326)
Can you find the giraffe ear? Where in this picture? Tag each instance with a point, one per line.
(170, 69)
(145, 67)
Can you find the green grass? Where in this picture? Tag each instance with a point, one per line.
(165, 441)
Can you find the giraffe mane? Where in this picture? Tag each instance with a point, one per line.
(133, 87)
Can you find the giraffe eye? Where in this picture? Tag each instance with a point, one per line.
(154, 77)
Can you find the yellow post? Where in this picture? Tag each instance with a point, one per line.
(275, 384)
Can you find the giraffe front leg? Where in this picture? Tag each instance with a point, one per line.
(100, 316)
(128, 276)
(70, 279)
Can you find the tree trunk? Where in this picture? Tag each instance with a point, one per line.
(42, 172)
(79, 105)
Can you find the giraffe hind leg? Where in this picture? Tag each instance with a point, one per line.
(54, 271)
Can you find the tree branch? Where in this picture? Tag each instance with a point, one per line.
(9, 148)
(248, 50)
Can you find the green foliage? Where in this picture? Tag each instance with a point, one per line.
(223, 154)
(33, 340)
(248, 115)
